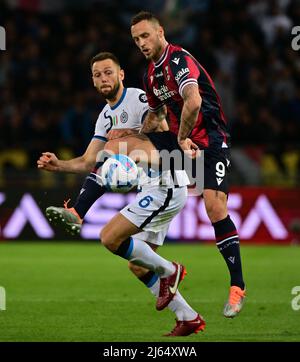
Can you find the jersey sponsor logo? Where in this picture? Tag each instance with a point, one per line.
(124, 117)
(163, 92)
(176, 60)
(143, 98)
(180, 73)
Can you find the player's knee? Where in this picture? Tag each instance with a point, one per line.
(106, 238)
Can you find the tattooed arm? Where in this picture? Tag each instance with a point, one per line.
(192, 104)
(189, 114)
(155, 121)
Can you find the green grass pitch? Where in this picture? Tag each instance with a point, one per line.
(80, 292)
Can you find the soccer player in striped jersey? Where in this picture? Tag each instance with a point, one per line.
(178, 86)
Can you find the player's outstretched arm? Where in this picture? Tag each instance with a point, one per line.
(48, 162)
(119, 133)
(83, 164)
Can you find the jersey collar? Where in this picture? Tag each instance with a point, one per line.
(163, 56)
(120, 100)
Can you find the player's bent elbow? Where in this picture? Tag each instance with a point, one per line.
(194, 107)
(112, 146)
(89, 166)
(193, 104)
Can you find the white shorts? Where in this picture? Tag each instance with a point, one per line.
(153, 210)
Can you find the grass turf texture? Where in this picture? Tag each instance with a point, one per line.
(81, 292)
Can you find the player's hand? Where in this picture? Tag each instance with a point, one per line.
(119, 133)
(48, 162)
(189, 147)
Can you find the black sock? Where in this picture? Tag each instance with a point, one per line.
(91, 190)
(125, 248)
(227, 241)
(149, 279)
(89, 193)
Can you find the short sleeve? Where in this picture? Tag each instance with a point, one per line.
(142, 107)
(100, 131)
(184, 69)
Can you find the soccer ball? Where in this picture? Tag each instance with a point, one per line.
(120, 173)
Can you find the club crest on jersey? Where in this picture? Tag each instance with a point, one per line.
(124, 117)
(151, 78)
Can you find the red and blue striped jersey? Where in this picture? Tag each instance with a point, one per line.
(164, 83)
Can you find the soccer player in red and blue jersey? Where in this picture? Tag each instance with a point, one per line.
(180, 89)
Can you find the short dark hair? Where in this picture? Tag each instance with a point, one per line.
(104, 56)
(144, 15)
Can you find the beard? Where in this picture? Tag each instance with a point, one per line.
(110, 95)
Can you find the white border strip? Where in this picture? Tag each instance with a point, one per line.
(231, 237)
(186, 82)
(163, 57)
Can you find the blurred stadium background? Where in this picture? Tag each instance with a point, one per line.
(48, 103)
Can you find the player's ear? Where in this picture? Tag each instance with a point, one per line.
(122, 74)
(161, 31)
